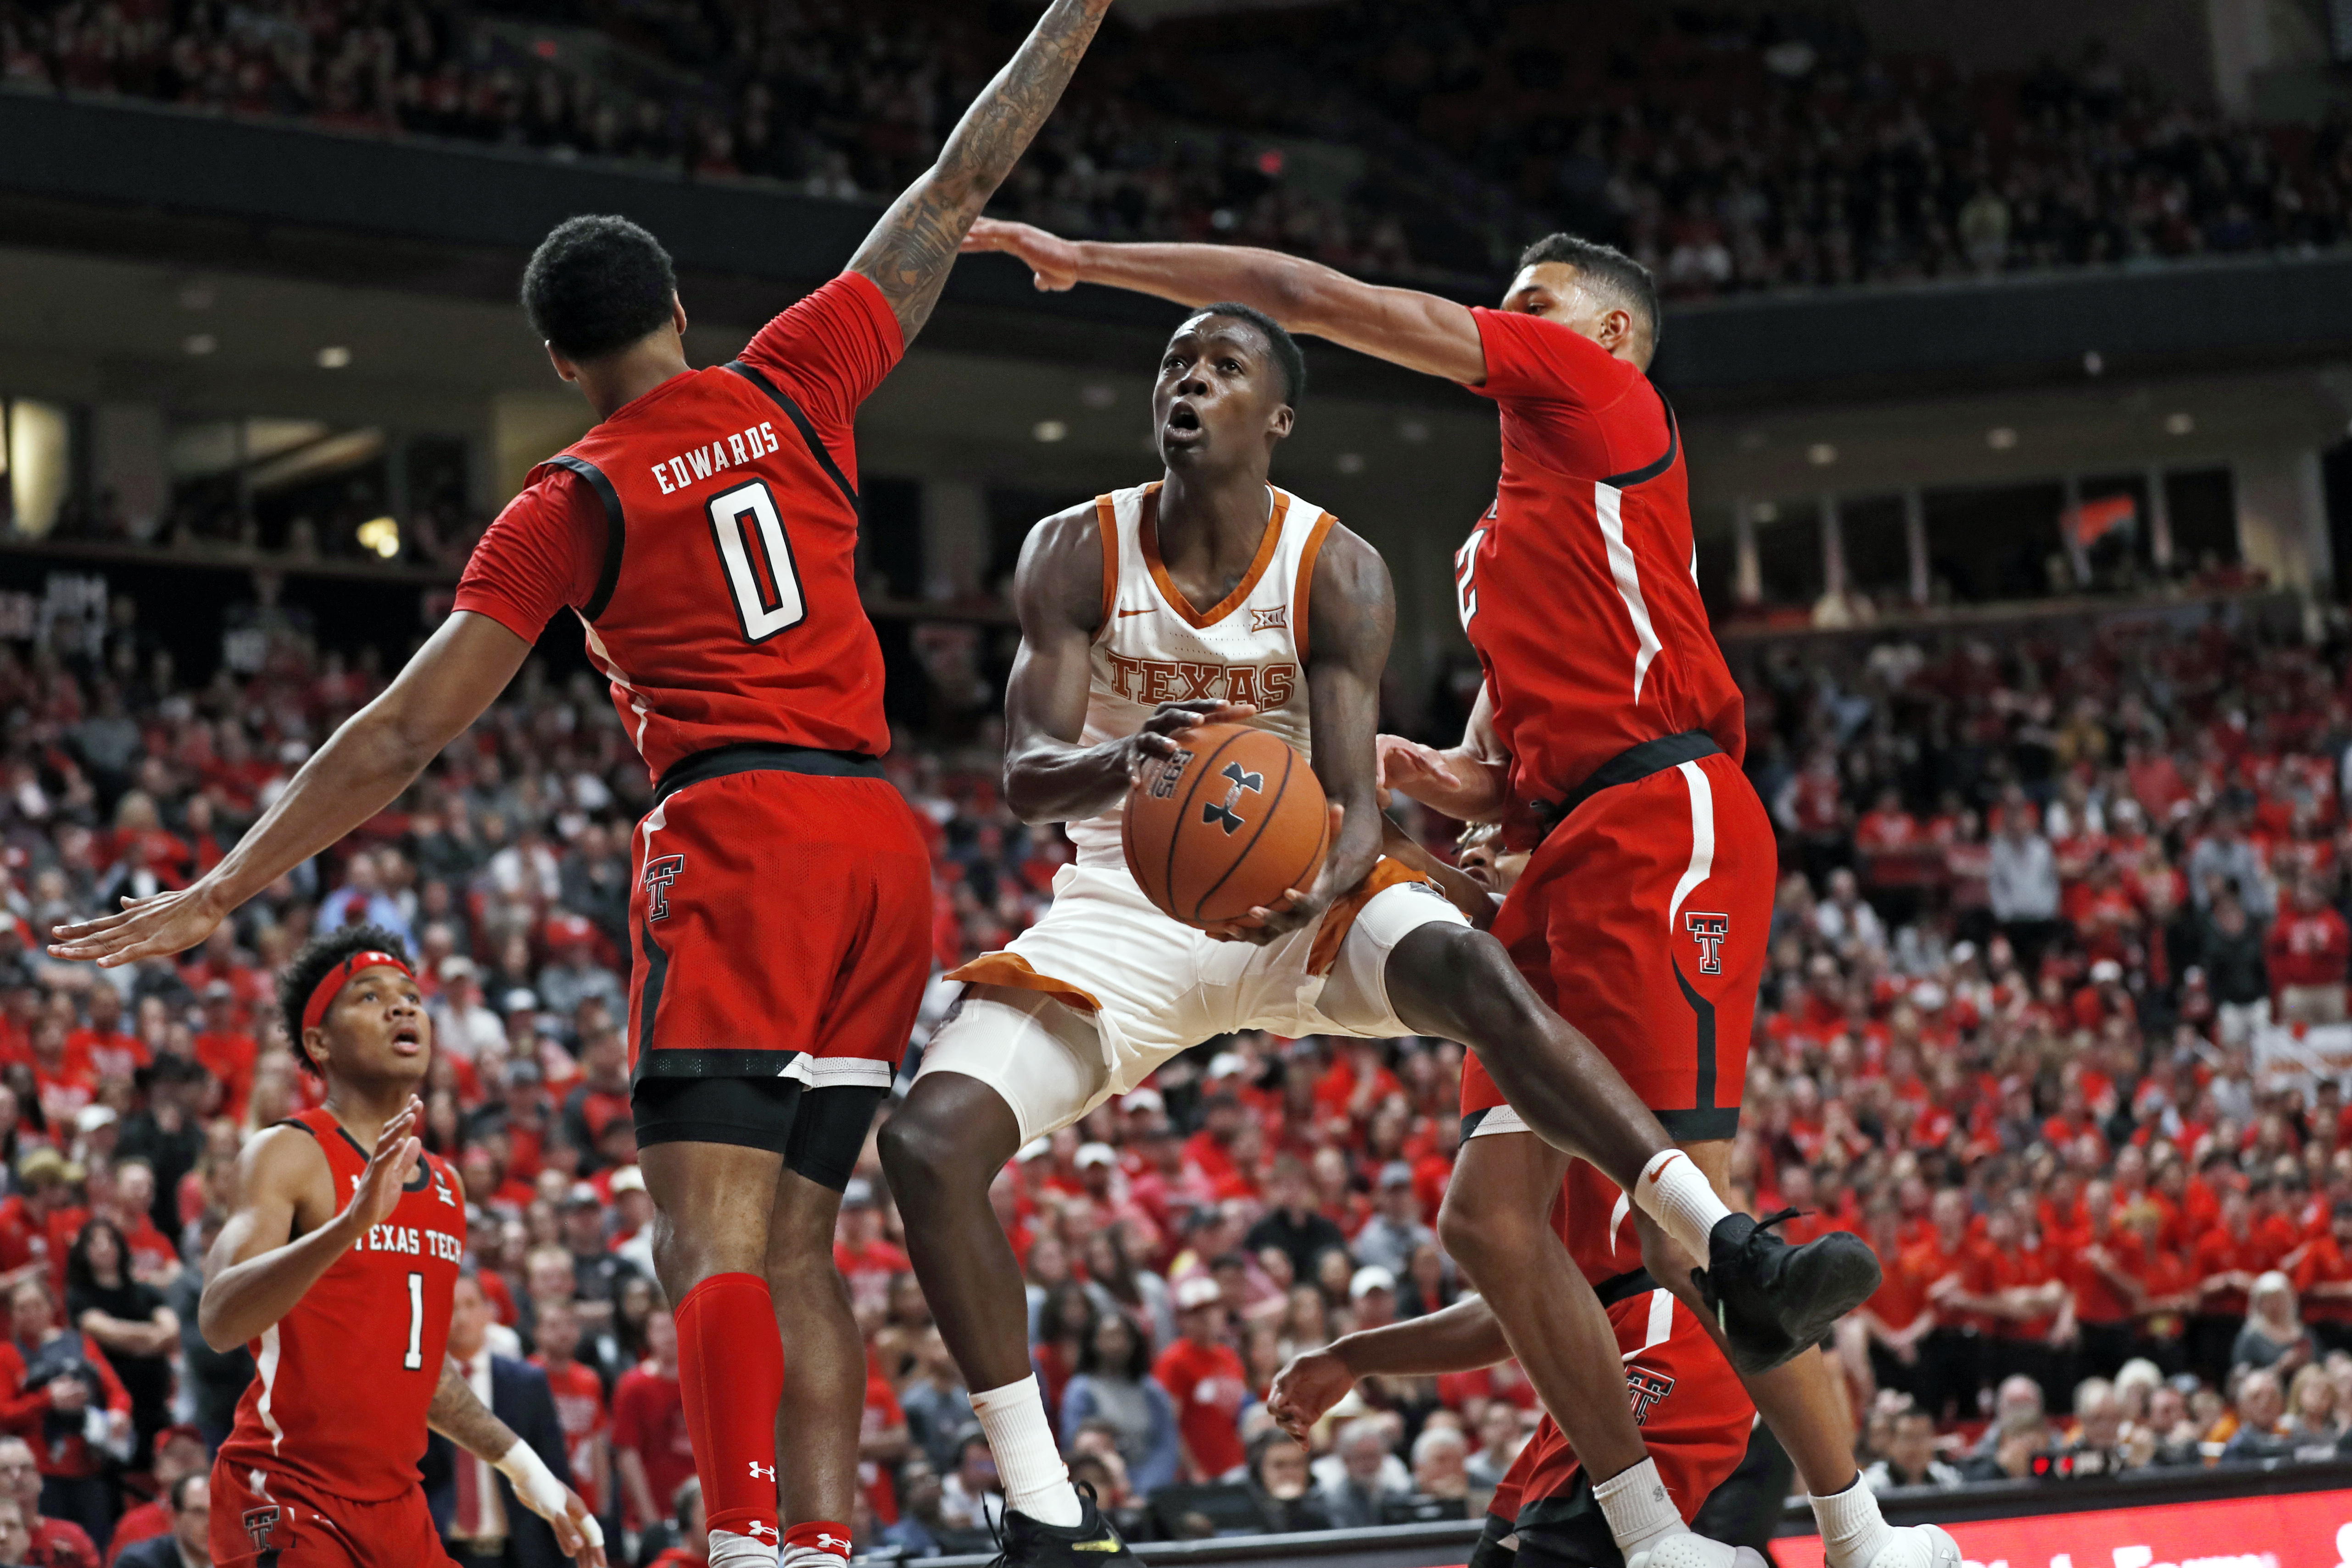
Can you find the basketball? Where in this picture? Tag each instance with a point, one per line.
(1225, 825)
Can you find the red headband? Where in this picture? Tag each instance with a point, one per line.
(323, 997)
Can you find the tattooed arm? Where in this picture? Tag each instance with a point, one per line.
(909, 252)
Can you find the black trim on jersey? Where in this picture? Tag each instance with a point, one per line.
(1705, 1120)
(422, 1180)
(649, 1004)
(764, 757)
(1634, 763)
(801, 423)
(616, 531)
(1650, 471)
(687, 1062)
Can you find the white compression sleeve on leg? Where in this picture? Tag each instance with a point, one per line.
(1675, 1193)
(1036, 1481)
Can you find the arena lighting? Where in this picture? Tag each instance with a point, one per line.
(1766, 512)
(334, 356)
(196, 345)
(2094, 362)
(2001, 437)
(1049, 430)
(2180, 423)
(1821, 454)
(1350, 462)
(380, 535)
(1099, 395)
(1413, 430)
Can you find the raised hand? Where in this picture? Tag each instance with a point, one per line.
(1052, 261)
(389, 1169)
(146, 927)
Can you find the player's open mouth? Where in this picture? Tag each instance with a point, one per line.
(407, 1036)
(1184, 420)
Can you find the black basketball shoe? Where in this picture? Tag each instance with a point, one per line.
(1772, 1300)
(1027, 1543)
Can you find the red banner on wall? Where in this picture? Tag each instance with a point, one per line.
(2291, 1529)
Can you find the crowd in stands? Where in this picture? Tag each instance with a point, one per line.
(2044, 908)
(1731, 153)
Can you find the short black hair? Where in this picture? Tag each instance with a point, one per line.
(596, 285)
(1612, 272)
(1285, 348)
(180, 1489)
(310, 967)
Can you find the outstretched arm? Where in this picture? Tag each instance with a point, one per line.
(1461, 1338)
(1466, 782)
(1403, 325)
(1050, 775)
(909, 252)
(362, 769)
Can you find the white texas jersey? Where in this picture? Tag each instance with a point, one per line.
(1154, 647)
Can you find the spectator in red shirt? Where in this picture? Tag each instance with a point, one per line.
(2309, 951)
(652, 1452)
(1206, 1379)
(2322, 1271)
(50, 1378)
(579, 1394)
(53, 1543)
(2227, 1257)
(866, 1260)
(39, 1223)
(102, 1044)
(63, 1081)
(227, 1050)
(2093, 1263)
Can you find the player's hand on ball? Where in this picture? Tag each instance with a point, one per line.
(166, 923)
(1306, 1388)
(1052, 261)
(1159, 738)
(389, 1169)
(1295, 908)
(577, 1531)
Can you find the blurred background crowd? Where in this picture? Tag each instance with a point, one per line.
(2045, 912)
(1731, 151)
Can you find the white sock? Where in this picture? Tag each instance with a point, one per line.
(811, 1557)
(1675, 1193)
(729, 1550)
(1852, 1528)
(1036, 1481)
(1639, 1511)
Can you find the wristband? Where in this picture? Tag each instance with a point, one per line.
(540, 1493)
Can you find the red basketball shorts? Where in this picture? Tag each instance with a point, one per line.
(270, 1522)
(1695, 1418)
(781, 928)
(1643, 919)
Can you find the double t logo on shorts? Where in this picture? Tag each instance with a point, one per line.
(659, 874)
(1709, 931)
(1224, 816)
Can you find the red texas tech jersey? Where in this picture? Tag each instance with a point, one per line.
(343, 1382)
(707, 535)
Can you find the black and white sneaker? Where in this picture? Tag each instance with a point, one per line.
(1026, 1543)
(1772, 1300)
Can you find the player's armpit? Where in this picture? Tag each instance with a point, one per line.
(909, 253)
(1057, 593)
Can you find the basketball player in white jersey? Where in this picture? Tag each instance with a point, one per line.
(1212, 595)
